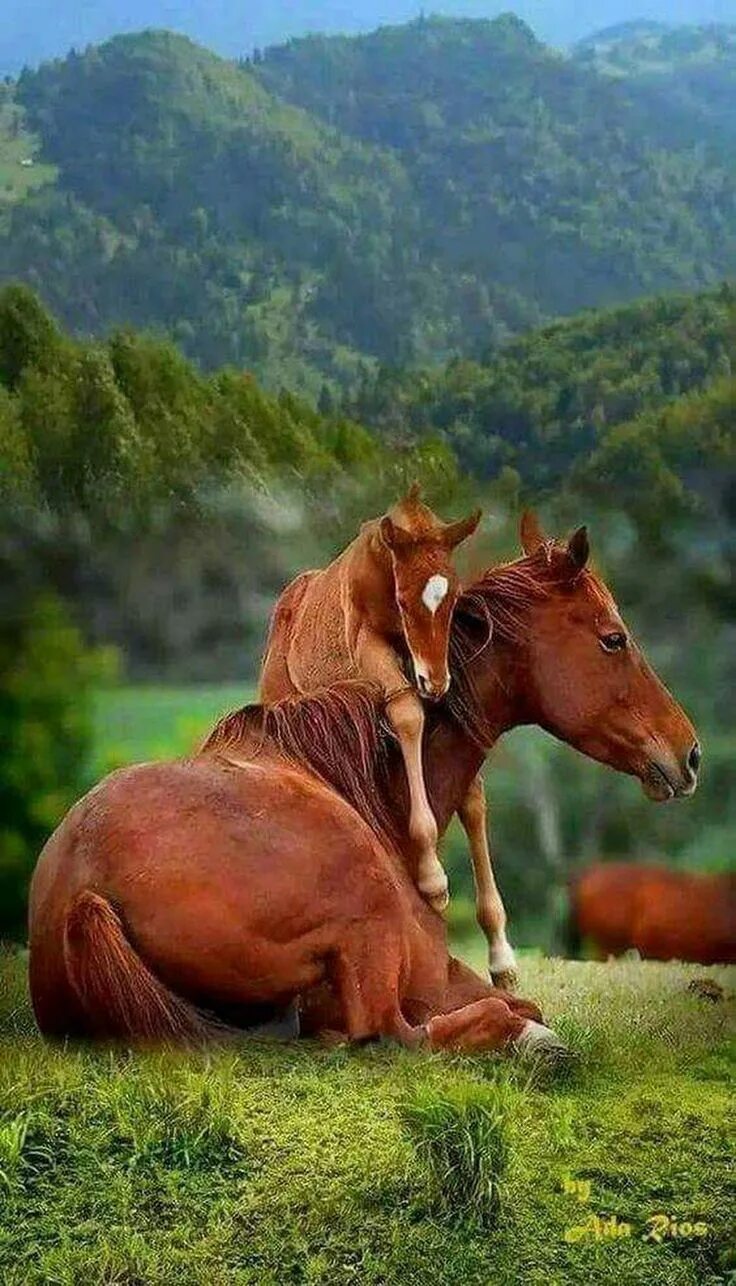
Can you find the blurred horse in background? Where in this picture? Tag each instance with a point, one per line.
(661, 913)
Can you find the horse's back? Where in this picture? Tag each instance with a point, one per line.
(308, 647)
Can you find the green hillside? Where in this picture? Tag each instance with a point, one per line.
(534, 176)
(20, 171)
(550, 399)
(686, 73)
(394, 198)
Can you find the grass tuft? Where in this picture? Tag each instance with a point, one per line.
(461, 1135)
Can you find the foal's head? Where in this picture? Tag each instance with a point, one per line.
(426, 585)
(580, 673)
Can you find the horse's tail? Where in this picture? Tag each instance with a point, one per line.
(120, 997)
(572, 942)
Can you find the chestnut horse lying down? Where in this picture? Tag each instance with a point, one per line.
(274, 864)
(663, 914)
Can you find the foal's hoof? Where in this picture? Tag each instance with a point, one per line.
(435, 890)
(506, 980)
(439, 902)
(536, 1042)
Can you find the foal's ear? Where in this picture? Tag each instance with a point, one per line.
(392, 536)
(414, 493)
(530, 531)
(454, 533)
(578, 548)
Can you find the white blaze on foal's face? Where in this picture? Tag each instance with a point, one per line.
(434, 592)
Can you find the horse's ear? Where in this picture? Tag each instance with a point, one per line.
(456, 532)
(414, 493)
(530, 531)
(392, 536)
(578, 548)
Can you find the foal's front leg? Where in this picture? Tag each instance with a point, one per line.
(406, 716)
(378, 662)
(489, 905)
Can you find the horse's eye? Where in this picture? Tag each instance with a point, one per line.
(613, 642)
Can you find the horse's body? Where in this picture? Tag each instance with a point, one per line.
(661, 913)
(277, 863)
(139, 928)
(384, 603)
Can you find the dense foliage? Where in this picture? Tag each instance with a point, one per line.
(46, 676)
(398, 197)
(105, 426)
(687, 73)
(549, 402)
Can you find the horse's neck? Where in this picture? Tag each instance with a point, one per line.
(451, 761)
(367, 578)
(452, 757)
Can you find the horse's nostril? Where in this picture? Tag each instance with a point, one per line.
(694, 758)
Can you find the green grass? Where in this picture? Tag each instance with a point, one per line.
(133, 724)
(266, 1164)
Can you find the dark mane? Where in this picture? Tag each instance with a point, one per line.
(496, 607)
(341, 734)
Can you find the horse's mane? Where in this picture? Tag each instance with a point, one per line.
(341, 734)
(495, 608)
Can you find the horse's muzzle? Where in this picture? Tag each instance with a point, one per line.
(431, 691)
(665, 778)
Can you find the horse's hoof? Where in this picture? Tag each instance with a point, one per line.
(506, 980)
(537, 1042)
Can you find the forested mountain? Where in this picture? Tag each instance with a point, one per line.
(103, 428)
(397, 198)
(549, 404)
(687, 73)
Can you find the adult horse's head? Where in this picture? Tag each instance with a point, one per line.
(426, 584)
(575, 667)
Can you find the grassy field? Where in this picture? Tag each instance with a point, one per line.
(139, 723)
(17, 146)
(280, 1164)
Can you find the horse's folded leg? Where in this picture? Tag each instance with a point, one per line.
(483, 1025)
(518, 1005)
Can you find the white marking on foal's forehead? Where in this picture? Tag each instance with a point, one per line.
(434, 592)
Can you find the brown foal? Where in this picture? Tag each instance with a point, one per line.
(392, 590)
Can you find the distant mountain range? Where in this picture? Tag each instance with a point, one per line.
(392, 198)
(37, 29)
(686, 72)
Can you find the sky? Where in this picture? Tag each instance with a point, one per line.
(31, 30)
